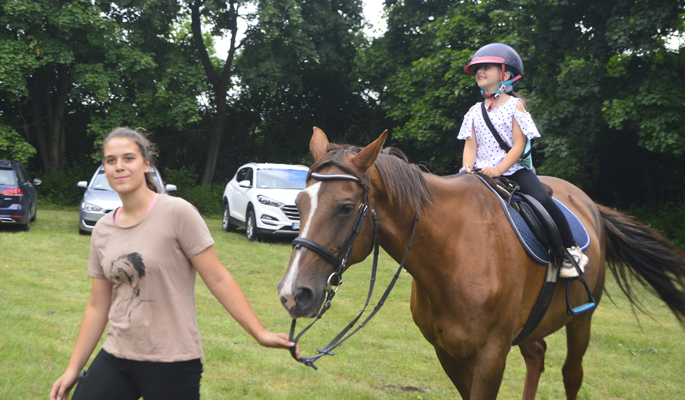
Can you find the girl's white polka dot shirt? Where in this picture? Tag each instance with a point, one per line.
(488, 152)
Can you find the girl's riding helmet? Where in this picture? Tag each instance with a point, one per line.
(497, 53)
(508, 58)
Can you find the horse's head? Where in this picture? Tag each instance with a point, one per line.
(329, 211)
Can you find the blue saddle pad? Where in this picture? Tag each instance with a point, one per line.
(533, 247)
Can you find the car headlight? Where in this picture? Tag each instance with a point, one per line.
(90, 207)
(269, 202)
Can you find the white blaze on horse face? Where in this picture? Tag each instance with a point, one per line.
(286, 292)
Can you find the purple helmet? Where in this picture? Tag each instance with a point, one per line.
(498, 53)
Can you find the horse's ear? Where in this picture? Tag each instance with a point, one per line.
(369, 154)
(319, 144)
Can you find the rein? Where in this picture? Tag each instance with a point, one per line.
(335, 279)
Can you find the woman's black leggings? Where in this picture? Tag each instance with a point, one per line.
(530, 184)
(113, 378)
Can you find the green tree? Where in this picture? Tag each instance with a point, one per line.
(54, 44)
(13, 146)
(224, 17)
(604, 87)
(297, 70)
(74, 66)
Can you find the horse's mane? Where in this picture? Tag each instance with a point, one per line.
(405, 183)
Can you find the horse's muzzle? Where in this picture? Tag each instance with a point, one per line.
(306, 303)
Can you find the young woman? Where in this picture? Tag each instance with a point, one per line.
(143, 260)
(498, 68)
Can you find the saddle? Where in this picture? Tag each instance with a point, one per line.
(541, 239)
(534, 215)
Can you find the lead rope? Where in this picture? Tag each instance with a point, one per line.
(340, 338)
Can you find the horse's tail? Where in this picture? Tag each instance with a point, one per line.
(633, 248)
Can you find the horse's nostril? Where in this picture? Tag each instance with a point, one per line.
(303, 297)
(283, 300)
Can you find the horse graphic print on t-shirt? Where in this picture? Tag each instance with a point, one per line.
(129, 270)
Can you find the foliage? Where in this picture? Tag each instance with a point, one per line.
(297, 70)
(13, 146)
(667, 218)
(59, 189)
(207, 198)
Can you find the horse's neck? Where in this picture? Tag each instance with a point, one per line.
(460, 206)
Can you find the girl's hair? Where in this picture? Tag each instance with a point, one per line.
(147, 149)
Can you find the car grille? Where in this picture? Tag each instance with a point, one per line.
(291, 212)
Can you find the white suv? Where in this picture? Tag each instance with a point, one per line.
(261, 198)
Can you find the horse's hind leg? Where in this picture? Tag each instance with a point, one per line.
(534, 354)
(459, 373)
(577, 340)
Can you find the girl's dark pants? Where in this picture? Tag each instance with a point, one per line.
(114, 378)
(530, 184)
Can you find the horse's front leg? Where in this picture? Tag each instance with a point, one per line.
(479, 378)
(488, 369)
(459, 372)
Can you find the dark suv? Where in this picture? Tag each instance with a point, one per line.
(18, 195)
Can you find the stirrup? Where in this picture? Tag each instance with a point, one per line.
(590, 305)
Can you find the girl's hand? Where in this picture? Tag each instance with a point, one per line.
(278, 341)
(491, 172)
(63, 385)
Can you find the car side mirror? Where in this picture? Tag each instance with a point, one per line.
(170, 188)
(245, 184)
(37, 181)
(82, 184)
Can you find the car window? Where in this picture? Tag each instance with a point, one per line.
(241, 174)
(100, 182)
(156, 177)
(7, 177)
(23, 177)
(281, 179)
(248, 175)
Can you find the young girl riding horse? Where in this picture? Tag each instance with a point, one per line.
(498, 68)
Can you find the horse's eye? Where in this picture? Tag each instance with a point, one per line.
(346, 209)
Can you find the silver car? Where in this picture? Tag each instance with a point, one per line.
(99, 198)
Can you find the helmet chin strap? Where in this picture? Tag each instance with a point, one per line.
(503, 85)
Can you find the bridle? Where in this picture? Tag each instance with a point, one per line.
(335, 279)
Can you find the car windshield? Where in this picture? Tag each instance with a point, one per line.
(7, 177)
(281, 179)
(100, 182)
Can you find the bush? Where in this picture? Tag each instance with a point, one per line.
(207, 199)
(59, 189)
(667, 218)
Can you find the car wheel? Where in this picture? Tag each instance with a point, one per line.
(26, 227)
(251, 226)
(226, 219)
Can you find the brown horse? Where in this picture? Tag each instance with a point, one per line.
(473, 285)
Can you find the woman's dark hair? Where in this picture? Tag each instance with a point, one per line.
(146, 148)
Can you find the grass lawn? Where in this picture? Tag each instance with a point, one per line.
(44, 289)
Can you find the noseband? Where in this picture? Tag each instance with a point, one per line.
(335, 279)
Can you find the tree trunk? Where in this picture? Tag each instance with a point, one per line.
(37, 116)
(219, 84)
(51, 144)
